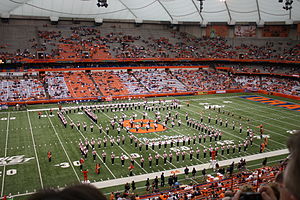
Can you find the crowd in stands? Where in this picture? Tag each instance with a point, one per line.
(109, 83)
(89, 42)
(78, 84)
(204, 80)
(218, 189)
(159, 81)
(21, 90)
(56, 85)
(132, 84)
(266, 69)
(271, 84)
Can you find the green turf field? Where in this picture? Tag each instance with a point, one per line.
(26, 139)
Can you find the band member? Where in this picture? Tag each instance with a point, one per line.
(183, 155)
(157, 158)
(122, 160)
(170, 157)
(142, 160)
(177, 156)
(103, 156)
(112, 158)
(94, 153)
(150, 160)
(198, 153)
(92, 127)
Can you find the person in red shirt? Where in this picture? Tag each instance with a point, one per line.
(97, 169)
(85, 177)
(49, 155)
(81, 161)
(130, 168)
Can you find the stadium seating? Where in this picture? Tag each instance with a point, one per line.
(62, 42)
(132, 84)
(205, 80)
(21, 90)
(159, 81)
(57, 87)
(109, 83)
(80, 85)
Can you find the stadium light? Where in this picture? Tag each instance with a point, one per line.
(201, 5)
(102, 3)
(287, 4)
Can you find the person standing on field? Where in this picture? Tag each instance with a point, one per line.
(49, 155)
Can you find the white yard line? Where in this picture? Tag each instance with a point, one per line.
(116, 143)
(235, 135)
(250, 125)
(5, 154)
(205, 99)
(233, 108)
(266, 107)
(37, 159)
(63, 148)
(96, 153)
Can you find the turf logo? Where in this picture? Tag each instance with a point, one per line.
(14, 160)
(273, 102)
(142, 126)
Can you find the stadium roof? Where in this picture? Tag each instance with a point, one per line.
(175, 11)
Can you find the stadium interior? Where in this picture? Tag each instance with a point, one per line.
(62, 55)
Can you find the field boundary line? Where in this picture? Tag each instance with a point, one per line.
(143, 177)
(91, 146)
(35, 152)
(5, 154)
(63, 148)
(198, 168)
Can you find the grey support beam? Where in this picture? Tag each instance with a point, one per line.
(165, 9)
(198, 10)
(228, 10)
(258, 10)
(128, 8)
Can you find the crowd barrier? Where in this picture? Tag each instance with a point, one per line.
(105, 98)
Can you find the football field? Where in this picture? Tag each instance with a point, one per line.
(26, 138)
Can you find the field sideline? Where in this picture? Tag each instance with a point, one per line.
(26, 139)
